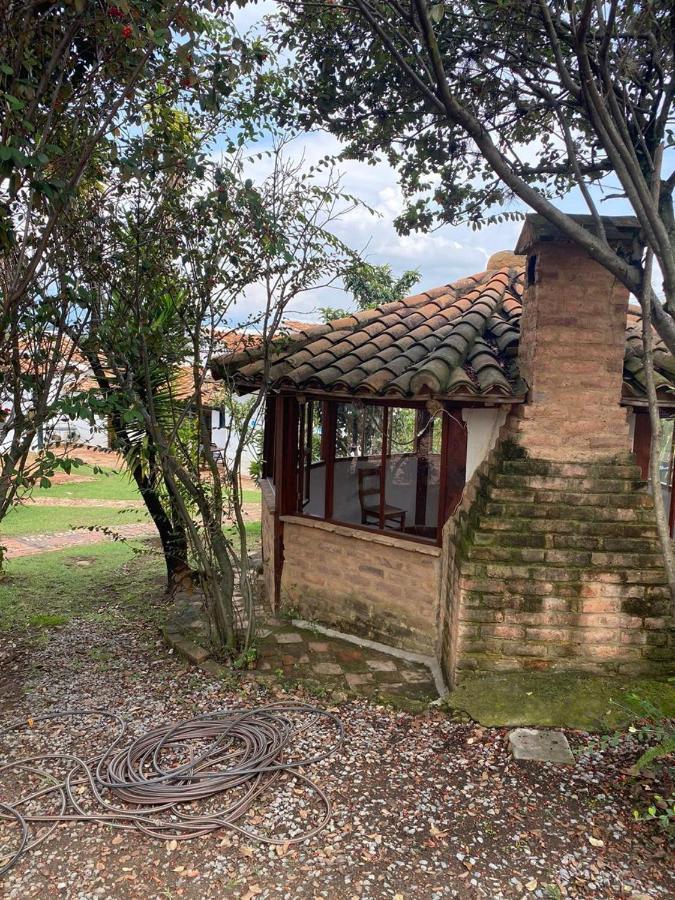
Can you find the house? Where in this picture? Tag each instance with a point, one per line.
(58, 370)
(73, 376)
(463, 472)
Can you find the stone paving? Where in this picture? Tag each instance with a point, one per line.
(294, 652)
(30, 544)
(287, 652)
(46, 542)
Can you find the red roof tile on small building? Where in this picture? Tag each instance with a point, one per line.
(455, 341)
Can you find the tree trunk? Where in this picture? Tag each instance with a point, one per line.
(662, 523)
(171, 533)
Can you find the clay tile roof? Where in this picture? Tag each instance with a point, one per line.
(456, 341)
(405, 348)
(634, 383)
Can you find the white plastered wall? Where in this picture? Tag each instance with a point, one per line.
(482, 426)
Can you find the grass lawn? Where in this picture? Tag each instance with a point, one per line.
(252, 531)
(109, 485)
(48, 519)
(97, 582)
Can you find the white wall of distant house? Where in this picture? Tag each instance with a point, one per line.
(224, 440)
(72, 431)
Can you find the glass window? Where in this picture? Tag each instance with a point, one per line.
(387, 468)
(312, 461)
(666, 461)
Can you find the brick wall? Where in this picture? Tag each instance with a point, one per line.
(369, 584)
(571, 355)
(554, 566)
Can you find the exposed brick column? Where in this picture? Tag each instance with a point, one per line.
(571, 355)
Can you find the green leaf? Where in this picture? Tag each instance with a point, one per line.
(661, 750)
(436, 13)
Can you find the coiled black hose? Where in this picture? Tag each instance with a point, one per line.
(244, 752)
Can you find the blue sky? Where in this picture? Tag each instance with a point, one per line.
(441, 256)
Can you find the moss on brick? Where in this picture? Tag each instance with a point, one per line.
(531, 603)
(569, 700)
(499, 552)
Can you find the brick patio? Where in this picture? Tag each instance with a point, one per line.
(289, 652)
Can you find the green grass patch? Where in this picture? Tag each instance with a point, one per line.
(251, 496)
(30, 519)
(253, 531)
(47, 590)
(106, 485)
(45, 620)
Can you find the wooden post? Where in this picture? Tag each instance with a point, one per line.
(453, 465)
(642, 440)
(285, 478)
(383, 462)
(269, 436)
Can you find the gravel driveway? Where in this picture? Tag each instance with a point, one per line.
(424, 807)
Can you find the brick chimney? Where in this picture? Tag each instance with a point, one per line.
(572, 345)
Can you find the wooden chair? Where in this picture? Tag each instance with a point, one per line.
(370, 488)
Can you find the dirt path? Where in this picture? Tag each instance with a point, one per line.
(30, 544)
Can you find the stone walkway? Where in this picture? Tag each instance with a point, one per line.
(85, 502)
(306, 654)
(31, 544)
(287, 652)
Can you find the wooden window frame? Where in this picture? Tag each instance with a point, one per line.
(295, 455)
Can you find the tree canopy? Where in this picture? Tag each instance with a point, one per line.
(371, 286)
(478, 102)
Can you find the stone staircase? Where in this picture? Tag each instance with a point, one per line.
(558, 566)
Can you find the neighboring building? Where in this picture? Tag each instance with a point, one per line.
(57, 366)
(463, 471)
(75, 376)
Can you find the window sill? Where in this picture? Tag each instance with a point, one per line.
(374, 537)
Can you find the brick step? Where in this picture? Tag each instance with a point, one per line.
(570, 470)
(571, 498)
(573, 484)
(481, 569)
(610, 544)
(562, 595)
(568, 526)
(531, 612)
(567, 512)
(587, 559)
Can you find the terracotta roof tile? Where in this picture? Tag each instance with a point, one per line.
(633, 364)
(455, 340)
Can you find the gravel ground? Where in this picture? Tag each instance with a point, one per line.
(424, 807)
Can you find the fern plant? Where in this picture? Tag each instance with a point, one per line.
(653, 733)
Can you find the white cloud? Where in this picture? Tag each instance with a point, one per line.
(440, 256)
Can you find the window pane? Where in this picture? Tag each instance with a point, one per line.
(358, 449)
(314, 499)
(666, 461)
(316, 418)
(399, 495)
